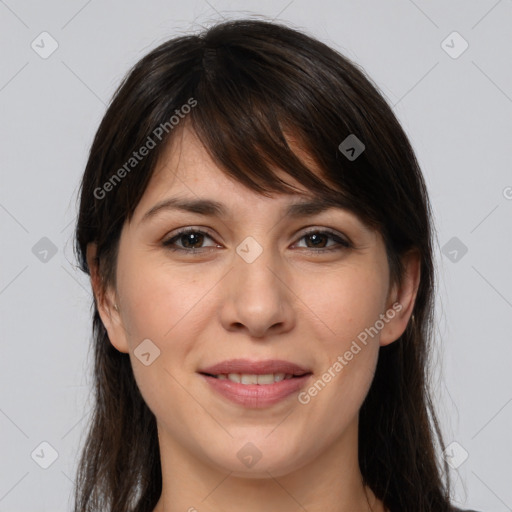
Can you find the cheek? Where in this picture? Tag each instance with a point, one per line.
(158, 304)
(156, 297)
(349, 303)
(166, 305)
(346, 301)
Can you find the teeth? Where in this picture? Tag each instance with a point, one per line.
(246, 378)
(270, 378)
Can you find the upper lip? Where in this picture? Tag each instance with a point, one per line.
(255, 367)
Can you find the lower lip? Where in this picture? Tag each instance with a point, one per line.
(257, 395)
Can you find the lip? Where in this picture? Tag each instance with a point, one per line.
(255, 367)
(257, 396)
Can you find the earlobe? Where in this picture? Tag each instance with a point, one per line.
(403, 299)
(106, 303)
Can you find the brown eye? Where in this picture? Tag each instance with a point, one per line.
(317, 239)
(320, 240)
(190, 240)
(187, 240)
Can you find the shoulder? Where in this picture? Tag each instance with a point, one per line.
(463, 510)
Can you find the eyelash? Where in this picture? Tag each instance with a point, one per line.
(341, 243)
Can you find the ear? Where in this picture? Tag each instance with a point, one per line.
(401, 299)
(106, 303)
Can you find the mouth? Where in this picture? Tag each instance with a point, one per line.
(256, 384)
(247, 370)
(253, 378)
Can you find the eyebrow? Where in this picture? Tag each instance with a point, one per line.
(212, 208)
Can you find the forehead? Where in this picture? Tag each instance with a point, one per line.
(185, 168)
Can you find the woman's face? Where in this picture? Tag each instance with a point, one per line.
(256, 287)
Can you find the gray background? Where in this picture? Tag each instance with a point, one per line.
(457, 112)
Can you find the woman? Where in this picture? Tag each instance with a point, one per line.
(258, 236)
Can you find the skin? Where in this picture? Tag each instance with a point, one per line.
(290, 303)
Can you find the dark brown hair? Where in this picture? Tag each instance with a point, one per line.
(254, 84)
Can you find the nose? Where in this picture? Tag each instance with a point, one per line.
(258, 298)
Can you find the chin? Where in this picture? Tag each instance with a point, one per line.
(251, 462)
